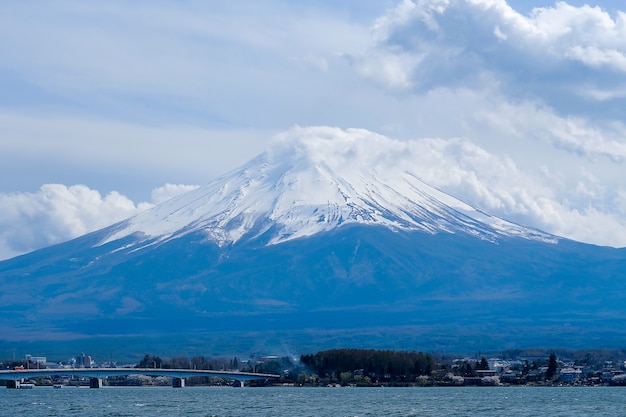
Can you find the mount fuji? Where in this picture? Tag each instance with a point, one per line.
(321, 242)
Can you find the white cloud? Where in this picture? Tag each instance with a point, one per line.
(597, 57)
(476, 43)
(487, 180)
(56, 213)
(392, 70)
(164, 193)
(620, 202)
(490, 181)
(533, 120)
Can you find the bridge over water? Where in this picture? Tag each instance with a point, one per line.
(96, 375)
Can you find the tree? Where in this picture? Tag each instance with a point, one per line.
(463, 369)
(302, 378)
(483, 365)
(552, 365)
(345, 377)
(179, 362)
(150, 361)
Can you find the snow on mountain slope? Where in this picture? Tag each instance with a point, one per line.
(323, 179)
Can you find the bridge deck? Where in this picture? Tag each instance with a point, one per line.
(19, 374)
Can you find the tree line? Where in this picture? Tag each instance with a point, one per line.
(384, 364)
(183, 362)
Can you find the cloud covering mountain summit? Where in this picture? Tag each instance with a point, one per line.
(317, 179)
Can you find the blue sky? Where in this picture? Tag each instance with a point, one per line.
(110, 107)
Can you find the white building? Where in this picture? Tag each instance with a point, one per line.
(39, 360)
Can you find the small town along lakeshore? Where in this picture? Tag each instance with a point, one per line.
(360, 368)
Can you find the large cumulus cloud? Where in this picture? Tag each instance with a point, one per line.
(56, 213)
(564, 54)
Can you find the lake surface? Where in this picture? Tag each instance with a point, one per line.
(335, 402)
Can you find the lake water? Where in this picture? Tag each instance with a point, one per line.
(302, 402)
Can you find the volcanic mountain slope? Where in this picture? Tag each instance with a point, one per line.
(321, 243)
(312, 187)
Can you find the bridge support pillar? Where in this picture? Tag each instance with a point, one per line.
(95, 383)
(178, 383)
(241, 383)
(13, 384)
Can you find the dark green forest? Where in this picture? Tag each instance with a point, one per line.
(376, 363)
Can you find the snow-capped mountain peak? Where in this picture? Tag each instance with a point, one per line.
(318, 182)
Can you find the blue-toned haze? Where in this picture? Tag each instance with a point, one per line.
(109, 108)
